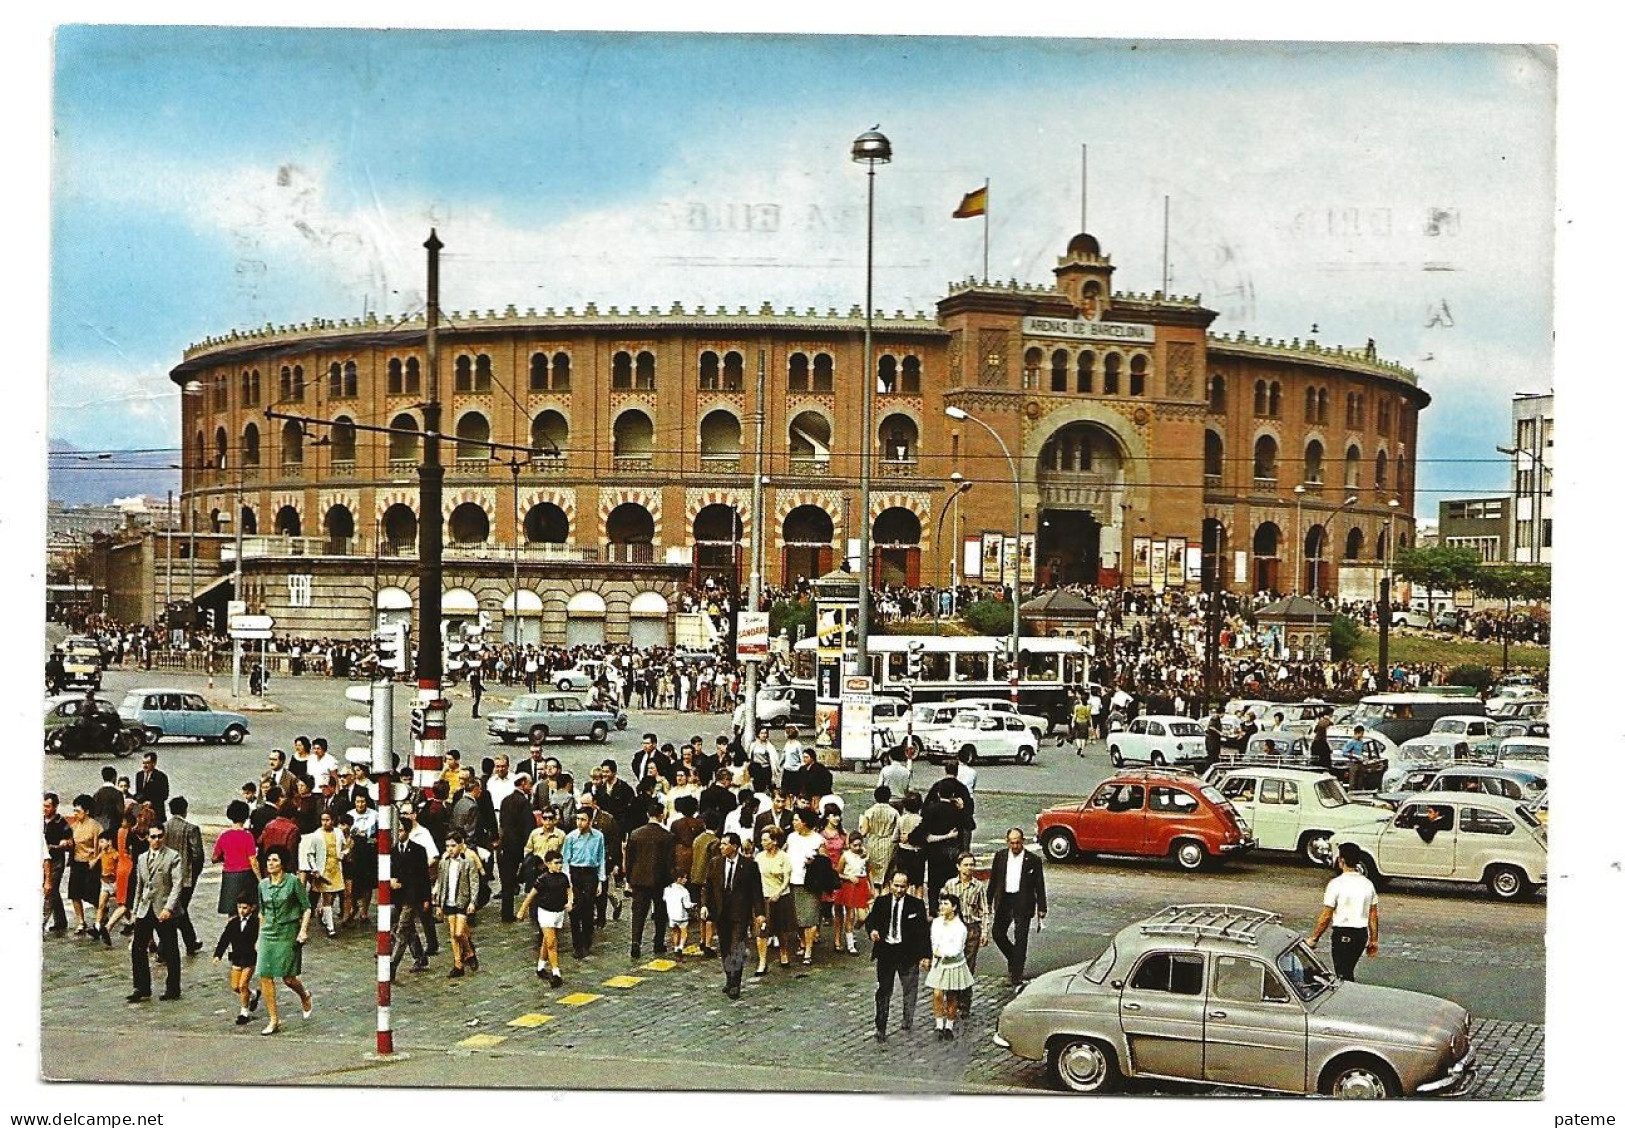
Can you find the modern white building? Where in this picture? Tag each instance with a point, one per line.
(1534, 432)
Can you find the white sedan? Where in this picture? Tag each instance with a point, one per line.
(973, 737)
(1159, 741)
(1003, 705)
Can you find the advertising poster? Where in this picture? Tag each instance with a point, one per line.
(1193, 563)
(1240, 574)
(856, 723)
(1176, 561)
(1029, 557)
(993, 558)
(831, 631)
(1140, 572)
(970, 566)
(1159, 563)
(752, 636)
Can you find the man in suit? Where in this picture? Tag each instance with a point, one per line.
(409, 878)
(186, 840)
(616, 795)
(276, 773)
(151, 784)
(514, 824)
(731, 900)
(107, 805)
(1015, 890)
(900, 928)
(651, 859)
(157, 898)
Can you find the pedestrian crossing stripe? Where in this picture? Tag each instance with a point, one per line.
(579, 999)
(623, 981)
(658, 965)
(528, 1021)
(482, 1041)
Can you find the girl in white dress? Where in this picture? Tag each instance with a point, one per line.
(949, 972)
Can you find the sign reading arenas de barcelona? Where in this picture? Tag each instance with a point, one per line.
(1129, 421)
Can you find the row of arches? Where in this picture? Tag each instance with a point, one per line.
(1266, 560)
(1069, 371)
(1266, 462)
(523, 609)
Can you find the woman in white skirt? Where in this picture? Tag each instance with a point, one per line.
(551, 892)
(949, 973)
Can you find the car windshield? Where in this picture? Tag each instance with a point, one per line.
(1308, 976)
(1450, 726)
(1330, 793)
(1522, 752)
(1101, 964)
(527, 704)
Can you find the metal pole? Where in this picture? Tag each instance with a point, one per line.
(867, 423)
(1383, 599)
(428, 757)
(383, 762)
(753, 669)
(237, 594)
(169, 558)
(514, 466)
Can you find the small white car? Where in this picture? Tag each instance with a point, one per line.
(1503, 696)
(1465, 725)
(1457, 837)
(1038, 724)
(1531, 752)
(773, 706)
(1293, 809)
(582, 676)
(1159, 741)
(974, 737)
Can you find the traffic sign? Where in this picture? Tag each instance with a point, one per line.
(248, 627)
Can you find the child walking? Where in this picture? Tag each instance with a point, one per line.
(949, 972)
(678, 904)
(551, 892)
(853, 895)
(106, 861)
(240, 939)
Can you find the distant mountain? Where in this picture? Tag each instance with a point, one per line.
(79, 478)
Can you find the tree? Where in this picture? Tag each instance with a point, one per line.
(1440, 567)
(989, 616)
(1344, 633)
(1524, 583)
(789, 616)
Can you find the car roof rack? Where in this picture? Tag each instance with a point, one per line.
(1221, 922)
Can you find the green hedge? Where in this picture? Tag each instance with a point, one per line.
(988, 616)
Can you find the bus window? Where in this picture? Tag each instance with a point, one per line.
(896, 668)
(970, 667)
(933, 667)
(1044, 667)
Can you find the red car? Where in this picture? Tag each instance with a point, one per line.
(1151, 814)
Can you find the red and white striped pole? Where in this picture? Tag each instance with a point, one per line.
(385, 784)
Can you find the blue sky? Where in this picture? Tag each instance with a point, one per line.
(206, 179)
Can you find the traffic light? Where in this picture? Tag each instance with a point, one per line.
(391, 641)
(417, 724)
(208, 619)
(378, 753)
(916, 659)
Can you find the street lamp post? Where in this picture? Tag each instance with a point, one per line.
(960, 486)
(870, 148)
(1297, 555)
(1535, 493)
(959, 413)
(1383, 613)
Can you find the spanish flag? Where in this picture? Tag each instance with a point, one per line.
(974, 204)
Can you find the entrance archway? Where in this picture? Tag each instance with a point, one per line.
(630, 530)
(809, 550)
(1068, 547)
(339, 525)
(718, 553)
(896, 540)
(1266, 557)
(400, 529)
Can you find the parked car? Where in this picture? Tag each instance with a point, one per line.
(1147, 814)
(1228, 995)
(546, 716)
(1509, 693)
(1159, 741)
(1291, 809)
(1357, 772)
(773, 705)
(1532, 752)
(581, 676)
(1467, 725)
(82, 662)
(1411, 619)
(1514, 783)
(165, 712)
(79, 725)
(1523, 726)
(975, 736)
(1039, 725)
(1447, 621)
(1457, 837)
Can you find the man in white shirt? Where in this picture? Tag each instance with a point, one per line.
(1351, 913)
(323, 764)
(501, 784)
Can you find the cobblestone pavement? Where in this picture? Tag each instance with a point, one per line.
(616, 1023)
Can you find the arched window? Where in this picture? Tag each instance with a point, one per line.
(1352, 544)
(299, 383)
(335, 380)
(404, 447)
(339, 525)
(1275, 398)
(200, 456)
(351, 381)
(414, 376)
(886, 375)
(733, 372)
(242, 391)
(1215, 395)
(468, 524)
(1136, 375)
(809, 438)
(630, 530)
(1031, 361)
(1265, 453)
(1111, 384)
(1313, 455)
(549, 434)
(219, 448)
(482, 373)
(400, 527)
(897, 526)
(1309, 405)
(538, 372)
(1383, 416)
(823, 373)
(1322, 406)
(1382, 469)
(1213, 455)
(287, 522)
(546, 523)
(800, 372)
(634, 436)
(1382, 545)
(899, 439)
(1348, 411)
(463, 368)
(719, 436)
(644, 377)
(620, 370)
(284, 387)
(1086, 372)
(473, 432)
(710, 371)
(251, 525)
(394, 376)
(1058, 371)
(1351, 468)
(911, 375)
(1261, 398)
(561, 372)
(1399, 474)
(251, 445)
(344, 440)
(293, 444)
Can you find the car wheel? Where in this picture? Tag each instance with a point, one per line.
(538, 732)
(1025, 755)
(1157, 760)
(126, 742)
(967, 754)
(1188, 854)
(1081, 1065)
(1058, 845)
(1506, 883)
(151, 735)
(1316, 847)
(235, 734)
(1359, 1078)
(1367, 867)
(57, 741)
(600, 732)
(563, 684)
(1116, 755)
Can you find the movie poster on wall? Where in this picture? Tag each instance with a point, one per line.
(1012, 562)
(971, 558)
(1159, 563)
(1193, 563)
(993, 558)
(1029, 557)
(1140, 575)
(1176, 561)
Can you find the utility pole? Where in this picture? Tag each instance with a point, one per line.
(753, 669)
(429, 751)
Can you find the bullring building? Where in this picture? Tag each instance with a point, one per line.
(1149, 450)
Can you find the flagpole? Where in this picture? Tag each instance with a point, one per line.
(1083, 195)
(987, 205)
